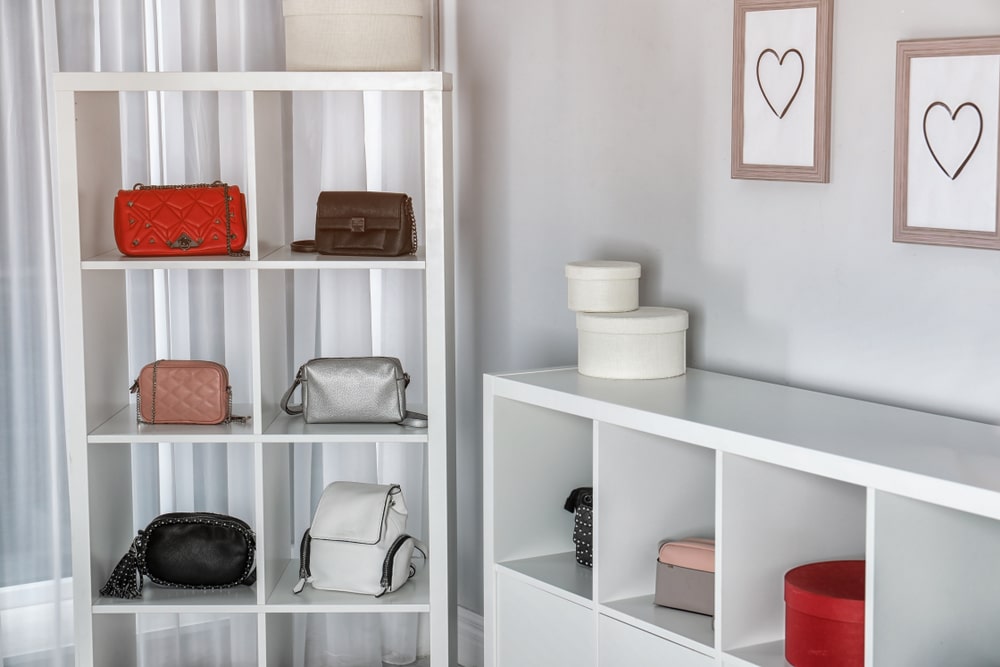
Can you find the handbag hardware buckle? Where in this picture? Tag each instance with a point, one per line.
(357, 224)
(185, 242)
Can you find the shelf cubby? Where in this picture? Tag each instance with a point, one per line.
(286, 634)
(540, 456)
(653, 489)
(115, 518)
(114, 353)
(935, 599)
(773, 519)
(183, 637)
(292, 303)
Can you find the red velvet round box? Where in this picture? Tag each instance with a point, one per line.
(825, 614)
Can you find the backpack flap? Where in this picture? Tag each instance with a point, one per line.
(359, 513)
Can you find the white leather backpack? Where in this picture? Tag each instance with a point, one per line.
(357, 541)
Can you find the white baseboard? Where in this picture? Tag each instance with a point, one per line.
(470, 638)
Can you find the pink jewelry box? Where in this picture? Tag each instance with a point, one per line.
(685, 575)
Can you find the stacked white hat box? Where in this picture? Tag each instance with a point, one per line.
(616, 337)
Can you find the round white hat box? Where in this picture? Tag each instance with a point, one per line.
(603, 286)
(643, 344)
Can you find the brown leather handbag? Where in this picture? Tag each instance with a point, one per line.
(378, 224)
(184, 392)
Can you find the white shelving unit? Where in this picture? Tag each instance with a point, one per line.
(778, 476)
(100, 427)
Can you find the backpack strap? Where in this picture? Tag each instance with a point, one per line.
(305, 547)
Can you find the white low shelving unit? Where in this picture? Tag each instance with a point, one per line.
(101, 432)
(779, 477)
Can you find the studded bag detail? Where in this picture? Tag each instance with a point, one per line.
(181, 220)
(581, 503)
(175, 391)
(197, 550)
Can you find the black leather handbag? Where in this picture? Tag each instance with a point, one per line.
(197, 550)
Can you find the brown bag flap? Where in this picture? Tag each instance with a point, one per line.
(360, 211)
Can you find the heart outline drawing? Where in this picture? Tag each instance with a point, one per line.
(953, 116)
(781, 63)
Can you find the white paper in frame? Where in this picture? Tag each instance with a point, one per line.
(782, 53)
(947, 142)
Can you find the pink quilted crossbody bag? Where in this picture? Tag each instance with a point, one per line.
(184, 392)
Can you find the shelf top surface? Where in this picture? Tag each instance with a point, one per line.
(783, 424)
(122, 427)
(251, 81)
(558, 572)
(414, 596)
(281, 258)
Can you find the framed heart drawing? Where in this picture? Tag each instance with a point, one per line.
(782, 58)
(947, 126)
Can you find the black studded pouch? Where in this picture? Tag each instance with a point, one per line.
(196, 550)
(581, 503)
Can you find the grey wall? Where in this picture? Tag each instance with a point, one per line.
(594, 129)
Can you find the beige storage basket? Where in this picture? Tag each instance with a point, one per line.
(353, 35)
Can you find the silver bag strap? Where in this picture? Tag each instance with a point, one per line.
(294, 409)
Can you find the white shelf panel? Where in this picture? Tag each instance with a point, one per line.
(556, 573)
(248, 81)
(939, 459)
(284, 258)
(115, 261)
(683, 627)
(157, 600)
(122, 427)
(288, 428)
(771, 654)
(414, 597)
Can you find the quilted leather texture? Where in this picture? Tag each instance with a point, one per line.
(178, 221)
(187, 392)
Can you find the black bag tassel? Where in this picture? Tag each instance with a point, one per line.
(125, 581)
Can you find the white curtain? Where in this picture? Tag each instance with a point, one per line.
(35, 616)
(342, 141)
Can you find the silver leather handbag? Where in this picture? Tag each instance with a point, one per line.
(339, 390)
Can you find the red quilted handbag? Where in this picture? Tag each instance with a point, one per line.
(183, 392)
(171, 220)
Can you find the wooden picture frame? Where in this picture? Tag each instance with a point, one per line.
(781, 122)
(947, 142)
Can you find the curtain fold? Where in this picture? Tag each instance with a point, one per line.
(342, 141)
(35, 616)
